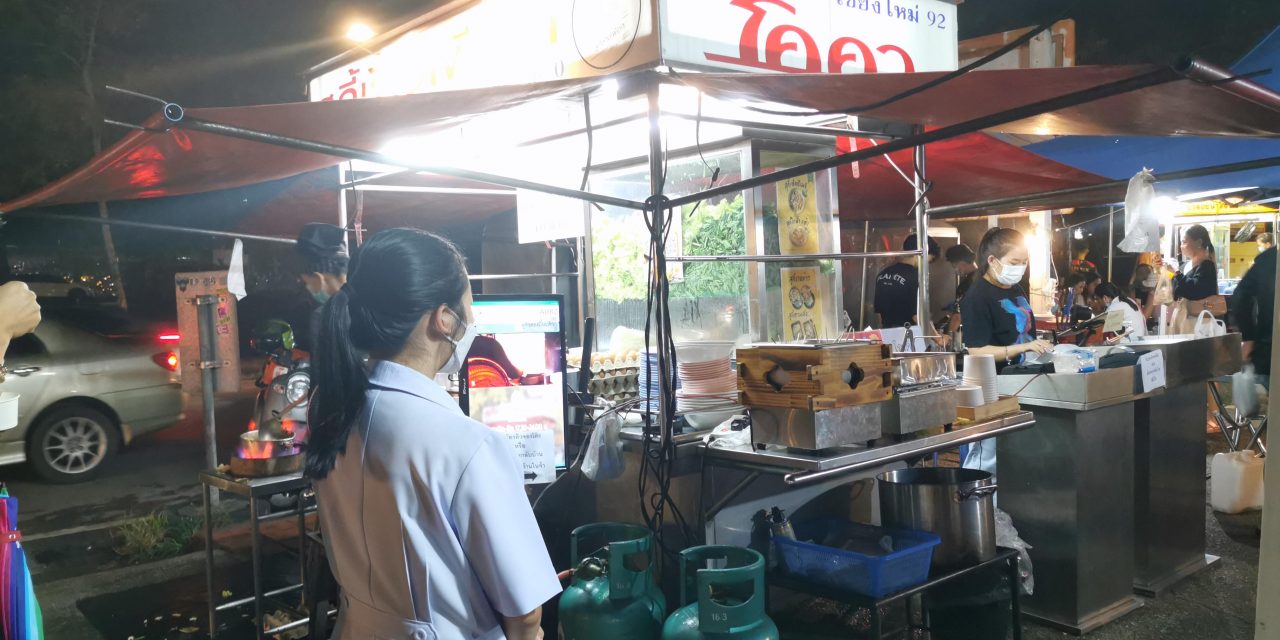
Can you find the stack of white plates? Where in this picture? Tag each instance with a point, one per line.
(708, 388)
(980, 371)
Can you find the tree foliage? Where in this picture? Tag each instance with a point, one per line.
(714, 230)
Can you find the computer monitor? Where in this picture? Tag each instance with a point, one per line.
(514, 377)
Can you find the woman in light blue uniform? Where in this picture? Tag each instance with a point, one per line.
(424, 514)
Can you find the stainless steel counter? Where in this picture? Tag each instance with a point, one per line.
(1068, 484)
(805, 467)
(1193, 361)
(1169, 461)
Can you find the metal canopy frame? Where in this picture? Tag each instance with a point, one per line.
(648, 84)
(659, 206)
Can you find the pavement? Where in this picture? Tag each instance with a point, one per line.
(67, 528)
(89, 593)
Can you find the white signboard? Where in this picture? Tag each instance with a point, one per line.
(190, 286)
(543, 216)
(501, 42)
(1152, 365)
(811, 36)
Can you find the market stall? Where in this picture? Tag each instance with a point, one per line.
(703, 211)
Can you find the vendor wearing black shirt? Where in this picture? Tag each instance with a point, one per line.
(996, 314)
(898, 287)
(997, 319)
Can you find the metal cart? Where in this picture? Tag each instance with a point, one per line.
(255, 490)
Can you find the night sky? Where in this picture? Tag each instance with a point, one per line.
(238, 52)
(241, 52)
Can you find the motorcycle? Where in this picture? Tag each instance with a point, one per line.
(284, 383)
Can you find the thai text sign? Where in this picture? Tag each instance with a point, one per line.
(811, 36)
(501, 42)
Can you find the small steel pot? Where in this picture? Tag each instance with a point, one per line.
(956, 504)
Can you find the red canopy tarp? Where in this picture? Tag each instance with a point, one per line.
(147, 164)
(970, 168)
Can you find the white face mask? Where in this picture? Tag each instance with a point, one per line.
(1150, 282)
(461, 347)
(1010, 274)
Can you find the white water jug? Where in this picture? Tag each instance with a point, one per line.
(1237, 482)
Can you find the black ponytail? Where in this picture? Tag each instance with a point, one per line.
(998, 243)
(396, 278)
(1110, 290)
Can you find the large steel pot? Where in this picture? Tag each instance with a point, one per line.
(956, 504)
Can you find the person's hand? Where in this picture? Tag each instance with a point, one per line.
(1038, 346)
(1246, 349)
(19, 313)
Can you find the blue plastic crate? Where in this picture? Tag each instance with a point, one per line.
(870, 575)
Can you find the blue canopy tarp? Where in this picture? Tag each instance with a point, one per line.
(1119, 157)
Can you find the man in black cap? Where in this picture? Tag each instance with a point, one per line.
(323, 248)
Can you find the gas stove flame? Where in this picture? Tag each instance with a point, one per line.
(256, 449)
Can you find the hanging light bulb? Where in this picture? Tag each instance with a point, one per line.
(1079, 234)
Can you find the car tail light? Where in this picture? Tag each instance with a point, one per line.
(167, 360)
(170, 336)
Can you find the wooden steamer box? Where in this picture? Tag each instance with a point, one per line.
(815, 396)
(814, 377)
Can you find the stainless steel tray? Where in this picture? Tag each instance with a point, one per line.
(913, 410)
(1068, 389)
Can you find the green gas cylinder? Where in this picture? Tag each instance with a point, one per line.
(613, 594)
(723, 601)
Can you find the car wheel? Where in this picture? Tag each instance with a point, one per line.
(71, 445)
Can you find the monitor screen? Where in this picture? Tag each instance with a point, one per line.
(515, 377)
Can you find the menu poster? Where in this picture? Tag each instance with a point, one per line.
(798, 215)
(801, 304)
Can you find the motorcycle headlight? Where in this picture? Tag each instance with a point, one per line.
(297, 387)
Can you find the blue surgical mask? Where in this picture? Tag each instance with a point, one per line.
(320, 296)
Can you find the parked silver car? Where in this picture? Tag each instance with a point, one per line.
(89, 383)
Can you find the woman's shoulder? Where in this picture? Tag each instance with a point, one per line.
(399, 411)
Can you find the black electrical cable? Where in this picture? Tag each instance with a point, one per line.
(987, 59)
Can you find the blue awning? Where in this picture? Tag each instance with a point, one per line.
(1120, 157)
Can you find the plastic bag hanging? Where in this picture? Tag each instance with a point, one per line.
(603, 459)
(1141, 226)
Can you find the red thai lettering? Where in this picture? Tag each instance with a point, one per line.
(775, 46)
(908, 65)
(837, 56)
(749, 41)
(789, 38)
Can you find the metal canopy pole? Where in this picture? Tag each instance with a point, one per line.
(156, 227)
(922, 238)
(862, 291)
(351, 153)
(1111, 242)
(209, 362)
(657, 180)
(342, 196)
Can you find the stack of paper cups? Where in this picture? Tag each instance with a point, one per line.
(971, 395)
(980, 371)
